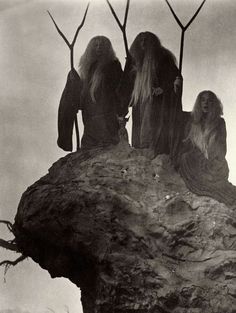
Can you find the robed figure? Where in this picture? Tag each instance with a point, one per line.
(94, 92)
(151, 84)
(202, 160)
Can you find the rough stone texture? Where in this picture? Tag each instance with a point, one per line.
(125, 229)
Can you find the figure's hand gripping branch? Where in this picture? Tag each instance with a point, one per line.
(178, 85)
(122, 121)
(122, 27)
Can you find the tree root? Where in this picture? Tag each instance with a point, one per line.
(12, 246)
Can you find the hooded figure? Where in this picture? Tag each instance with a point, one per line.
(152, 86)
(94, 92)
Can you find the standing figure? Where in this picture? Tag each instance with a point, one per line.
(202, 160)
(152, 86)
(96, 93)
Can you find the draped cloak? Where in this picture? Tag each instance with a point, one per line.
(204, 167)
(68, 108)
(156, 125)
(99, 116)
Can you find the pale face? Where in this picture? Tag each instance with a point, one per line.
(206, 102)
(100, 47)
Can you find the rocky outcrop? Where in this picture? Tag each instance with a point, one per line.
(124, 228)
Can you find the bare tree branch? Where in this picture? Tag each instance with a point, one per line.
(126, 13)
(9, 245)
(80, 26)
(8, 263)
(59, 31)
(71, 47)
(122, 27)
(8, 224)
(115, 16)
(174, 14)
(184, 28)
(13, 263)
(192, 19)
(177, 19)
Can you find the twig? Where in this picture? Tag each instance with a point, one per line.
(9, 245)
(13, 263)
(183, 28)
(8, 263)
(8, 224)
(122, 27)
(12, 246)
(59, 31)
(71, 47)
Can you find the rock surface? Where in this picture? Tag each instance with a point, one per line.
(125, 229)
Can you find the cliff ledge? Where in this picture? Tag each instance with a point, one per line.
(125, 229)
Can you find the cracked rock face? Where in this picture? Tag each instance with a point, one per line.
(125, 229)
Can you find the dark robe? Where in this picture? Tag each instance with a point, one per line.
(99, 117)
(68, 109)
(208, 175)
(156, 125)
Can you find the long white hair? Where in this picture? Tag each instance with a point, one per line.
(203, 124)
(146, 51)
(215, 109)
(89, 58)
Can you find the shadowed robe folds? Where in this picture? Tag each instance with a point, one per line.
(205, 171)
(156, 125)
(100, 116)
(67, 110)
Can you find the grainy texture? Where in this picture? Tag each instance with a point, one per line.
(125, 229)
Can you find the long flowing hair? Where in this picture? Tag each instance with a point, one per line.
(146, 51)
(204, 123)
(89, 58)
(216, 108)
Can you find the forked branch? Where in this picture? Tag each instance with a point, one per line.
(183, 28)
(122, 27)
(70, 45)
(8, 224)
(10, 245)
(190, 21)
